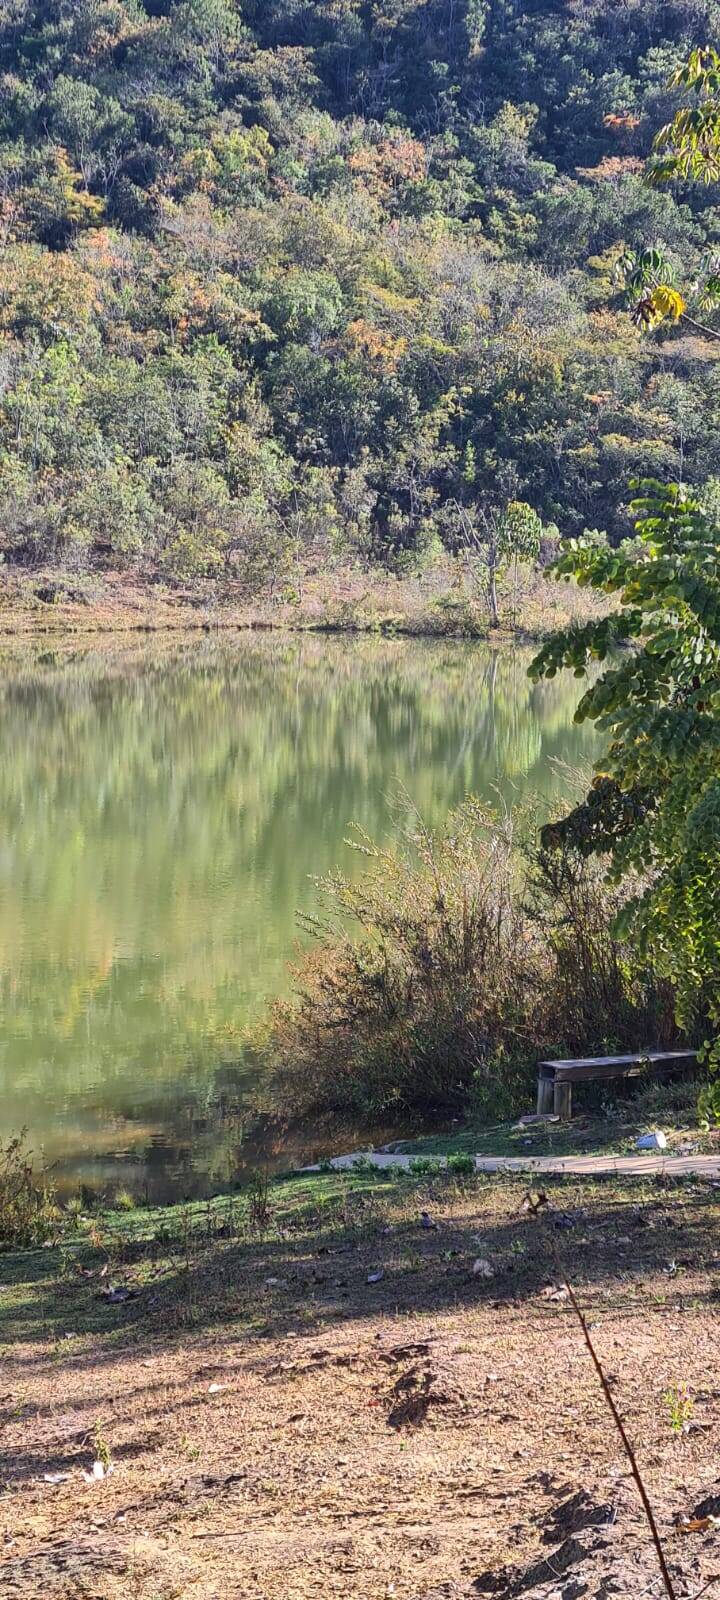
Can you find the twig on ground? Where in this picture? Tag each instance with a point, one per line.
(706, 1586)
(630, 1453)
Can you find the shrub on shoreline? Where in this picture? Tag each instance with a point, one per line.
(475, 956)
(29, 1214)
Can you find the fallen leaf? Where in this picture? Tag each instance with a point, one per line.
(374, 1277)
(483, 1269)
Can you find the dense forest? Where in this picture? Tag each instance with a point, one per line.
(325, 278)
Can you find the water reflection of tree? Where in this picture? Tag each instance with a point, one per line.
(161, 810)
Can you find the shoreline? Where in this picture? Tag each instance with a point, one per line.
(47, 604)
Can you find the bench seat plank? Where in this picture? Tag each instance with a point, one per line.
(592, 1068)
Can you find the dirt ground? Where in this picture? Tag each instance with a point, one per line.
(324, 1396)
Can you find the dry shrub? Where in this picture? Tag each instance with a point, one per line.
(595, 992)
(465, 960)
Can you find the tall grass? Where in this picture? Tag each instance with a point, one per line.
(29, 1214)
(439, 976)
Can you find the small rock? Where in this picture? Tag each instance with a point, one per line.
(426, 1220)
(482, 1268)
(215, 1388)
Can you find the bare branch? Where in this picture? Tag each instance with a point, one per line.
(630, 1453)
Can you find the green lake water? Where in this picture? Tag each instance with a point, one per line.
(163, 808)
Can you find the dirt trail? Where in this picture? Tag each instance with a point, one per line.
(636, 1166)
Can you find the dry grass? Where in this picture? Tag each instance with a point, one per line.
(437, 604)
(433, 1433)
(29, 1214)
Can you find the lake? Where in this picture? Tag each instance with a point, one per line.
(163, 809)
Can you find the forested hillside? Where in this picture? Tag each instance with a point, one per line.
(320, 279)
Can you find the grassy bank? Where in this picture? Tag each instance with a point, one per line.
(124, 1273)
(440, 604)
(310, 1389)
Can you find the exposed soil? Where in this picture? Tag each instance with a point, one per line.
(339, 1404)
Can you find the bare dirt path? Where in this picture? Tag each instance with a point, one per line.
(636, 1166)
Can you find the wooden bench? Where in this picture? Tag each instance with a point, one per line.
(556, 1078)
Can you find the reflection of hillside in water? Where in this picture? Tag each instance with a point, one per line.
(161, 810)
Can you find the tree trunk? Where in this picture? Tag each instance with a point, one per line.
(492, 596)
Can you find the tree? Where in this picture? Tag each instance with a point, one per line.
(654, 805)
(521, 533)
(206, 31)
(495, 537)
(91, 127)
(376, 210)
(687, 147)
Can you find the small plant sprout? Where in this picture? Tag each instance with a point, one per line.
(680, 1408)
(102, 1448)
(103, 1463)
(259, 1207)
(461, 1165)
(425, 1167)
